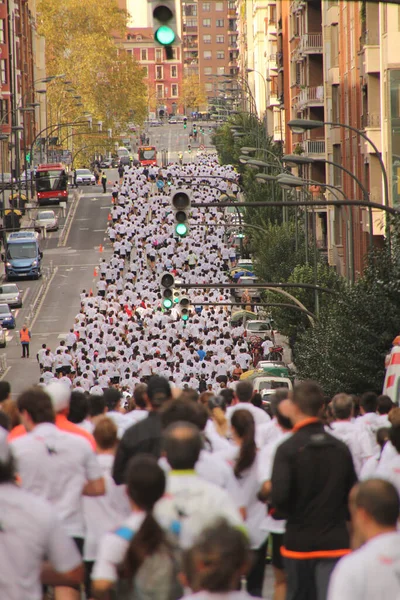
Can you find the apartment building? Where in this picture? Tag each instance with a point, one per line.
(209, 42)
(163, 77)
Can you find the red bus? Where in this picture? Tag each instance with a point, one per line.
(147, 155)
(51, 184)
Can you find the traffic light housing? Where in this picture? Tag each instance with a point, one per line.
(164, 17)
(181, 202)
(184, 122)
(167, 282)
(184, 306)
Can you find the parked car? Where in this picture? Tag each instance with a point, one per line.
(114, 162)
(173, 121)
(6, 317)
(46, 219)
(85, 177)
(106, 163)
(11, 295)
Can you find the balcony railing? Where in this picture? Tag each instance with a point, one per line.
(371, 120)
(314, 146)
(311, 43)
(311, 96)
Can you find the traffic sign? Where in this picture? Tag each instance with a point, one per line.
(201, 147)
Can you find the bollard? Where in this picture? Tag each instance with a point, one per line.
(63, 206)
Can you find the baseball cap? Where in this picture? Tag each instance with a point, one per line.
(60, 395)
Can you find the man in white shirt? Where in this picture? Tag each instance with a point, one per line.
(372, 571)
(31, 533)
(243, 396)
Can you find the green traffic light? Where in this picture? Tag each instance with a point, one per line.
(165, 35)
(185, 317)
(167, 303)
(184, 126)
(181, 229)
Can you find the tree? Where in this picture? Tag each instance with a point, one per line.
(193, 93)
(79, 44)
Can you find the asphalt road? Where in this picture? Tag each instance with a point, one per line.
(69, 258)
(175, 139)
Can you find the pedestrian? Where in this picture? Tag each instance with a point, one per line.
(74, 179)
(96, 174)
(25, 338)
(104, 181)
(312, 476)
(371, 571)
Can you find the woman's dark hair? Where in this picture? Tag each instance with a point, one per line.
(242, 421)
(257, 400)
(37, 404)
(78, 407)
(395, 437)
(228, 395)
(218, 559)
(146, 485)
(97, 405)
(217, 402)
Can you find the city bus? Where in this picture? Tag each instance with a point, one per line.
(51, 182)
(147, 155)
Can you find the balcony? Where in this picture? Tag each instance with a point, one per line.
(313, 148)
(311, 43)
(371, 59)
(232, 46)
(273, 62)
(311, 96)
(371, 123)
(279, 60)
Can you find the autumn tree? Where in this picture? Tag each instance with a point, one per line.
(193, 94)
(80, 43)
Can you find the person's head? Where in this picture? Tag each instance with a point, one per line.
(383, 436)
(97, 405)
(106, 435)
(60, 397)
(374, 507)
(35, 406)
(158, 391)
(180, 409)
(244, 391)
(218, 559)
(306, 400)
(243, 430)
(257, 400)
(112, 398)
(78, 407)
(384, 405)
(140, 396)
(182, 444)
(228, 395)
(5, 390)
(342, 407)
(394, 416)
(368, 403)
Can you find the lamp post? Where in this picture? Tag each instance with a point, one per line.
(302, 125)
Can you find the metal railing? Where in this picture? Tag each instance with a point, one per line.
(311, 95)
(314, 146)
(371, 120)
(311, 42)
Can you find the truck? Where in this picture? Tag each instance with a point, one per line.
(22, 256)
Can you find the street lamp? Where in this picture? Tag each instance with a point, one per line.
(302, 125)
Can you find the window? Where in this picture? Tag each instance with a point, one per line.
(272, 14)
(191, 23)
(159, 72)
(220, 39)
(2, 32)
(219, 6)
(175, 53)
(3, 71)
(337, 158)
(220, 22)
(174, 90)
(143, 54)
(206, 7)
(334, 46)
(174, 72)
(206, 22)
(206, 54)
(221, 55)
(207, 39)
(209, 87)
(159, 55)
(160, 90)
(208, 70)
(220, 70)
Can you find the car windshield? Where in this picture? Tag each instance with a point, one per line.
(262, 326)
(27, 250)
(4, 309)
(45, 215)
(83, 172)
(147, 153)
(272, 385)
(46, 181)
(9, 289)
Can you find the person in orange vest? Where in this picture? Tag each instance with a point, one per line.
(25, 337)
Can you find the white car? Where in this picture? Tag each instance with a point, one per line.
(173, 121)
(85, 177)
(46, 219)
(261, 329)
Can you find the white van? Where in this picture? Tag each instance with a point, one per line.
(391, 386)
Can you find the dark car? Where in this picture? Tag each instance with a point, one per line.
(125, 161)
(106, 163)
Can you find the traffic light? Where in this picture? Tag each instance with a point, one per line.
(184, 123)
(28, 158)
(167, 283)
(165, 24)
(176, 296)
(189, 148)
(181, 203)
(184, 306)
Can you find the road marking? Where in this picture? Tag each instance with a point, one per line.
(39, 308)
(96, 230)
(83, 228)
(16, 313)
(104, 208)
(71, 214)
(5, 373)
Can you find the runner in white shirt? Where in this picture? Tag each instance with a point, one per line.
(243, 395)
(372, 571)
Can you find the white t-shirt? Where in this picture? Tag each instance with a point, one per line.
(221, 596)
(369, 573)
(56, 465)
(30, 533)
(260, 416)
(196, 504)
(390, 471)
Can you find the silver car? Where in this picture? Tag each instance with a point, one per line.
(46, 219)
(85, 177)
(10, 294)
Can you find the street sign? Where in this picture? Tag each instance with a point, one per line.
(201, 147)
